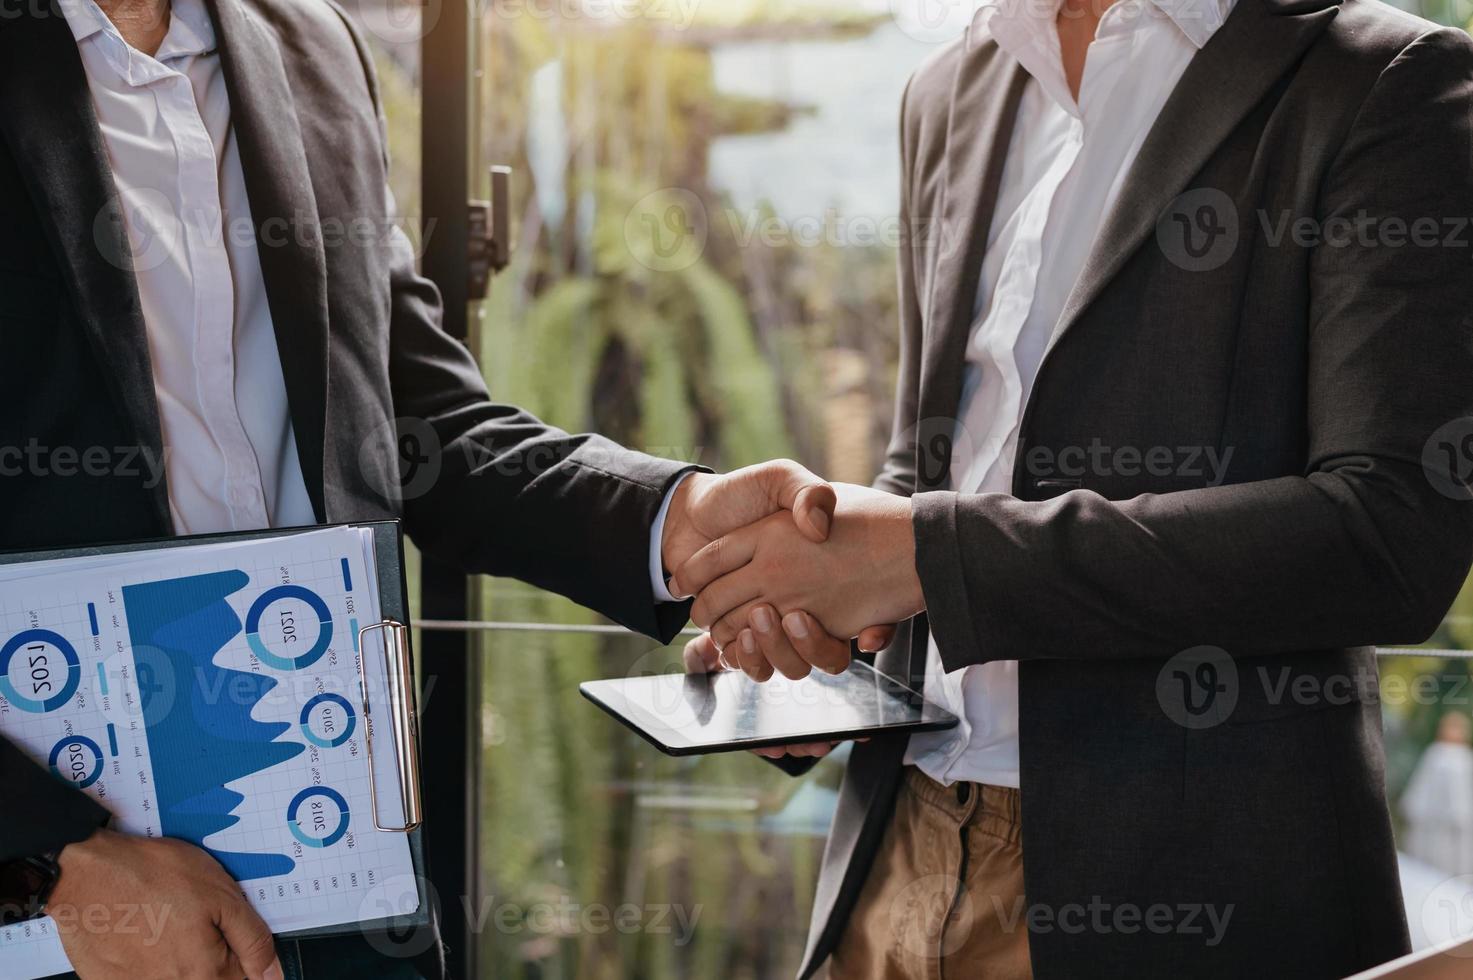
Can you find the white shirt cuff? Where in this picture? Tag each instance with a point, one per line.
(657, 538)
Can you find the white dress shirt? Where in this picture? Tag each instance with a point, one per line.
(1065, 166)
(231, 455)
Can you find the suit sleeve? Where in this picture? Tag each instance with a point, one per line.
(515, 497)
(38, 812)
(1369, 546)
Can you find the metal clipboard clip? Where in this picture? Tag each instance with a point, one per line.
(404, 717)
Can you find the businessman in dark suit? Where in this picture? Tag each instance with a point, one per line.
(208, 322)
(1185, 401)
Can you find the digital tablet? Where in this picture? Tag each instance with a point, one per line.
(700, 714)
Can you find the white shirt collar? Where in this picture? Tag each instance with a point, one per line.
(1198, 20)
(190, 35)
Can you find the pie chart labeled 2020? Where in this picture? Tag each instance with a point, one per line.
(289, 627)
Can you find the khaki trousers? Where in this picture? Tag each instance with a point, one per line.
(944, 899)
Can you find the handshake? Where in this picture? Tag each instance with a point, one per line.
(786, 569)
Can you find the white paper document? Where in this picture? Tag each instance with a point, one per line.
(212, 693)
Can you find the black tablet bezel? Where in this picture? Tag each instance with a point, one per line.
(608, 696)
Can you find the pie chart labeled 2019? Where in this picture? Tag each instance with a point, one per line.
(289, 627)
(327, 720)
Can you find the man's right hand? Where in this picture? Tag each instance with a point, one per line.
(142, 907)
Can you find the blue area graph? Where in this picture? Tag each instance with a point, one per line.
(198, 715)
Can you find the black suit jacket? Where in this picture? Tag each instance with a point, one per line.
(357, 329)
(1336, 375)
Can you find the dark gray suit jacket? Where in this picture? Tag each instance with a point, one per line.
(1326, 371)
(358, 331)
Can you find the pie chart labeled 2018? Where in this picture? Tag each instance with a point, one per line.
(39, 670)
(318, 817)
(281, 624)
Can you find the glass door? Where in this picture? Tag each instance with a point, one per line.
(704, 235)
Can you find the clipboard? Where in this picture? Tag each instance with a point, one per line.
(392, 637)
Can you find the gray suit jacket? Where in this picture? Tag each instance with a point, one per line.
(361, 347)
(1249, 778)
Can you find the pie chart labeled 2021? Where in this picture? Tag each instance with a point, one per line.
(289, 627)
(39, 670)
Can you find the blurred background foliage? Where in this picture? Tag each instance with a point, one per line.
(725, 355)
(725, 346)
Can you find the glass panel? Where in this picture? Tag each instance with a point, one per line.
(1426, 703)
(603, 858)
(704, 269)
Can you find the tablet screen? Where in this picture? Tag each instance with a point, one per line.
(689, 714)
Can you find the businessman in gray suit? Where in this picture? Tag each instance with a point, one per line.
(1184, 409)
(190, 342)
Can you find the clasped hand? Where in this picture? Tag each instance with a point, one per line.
(786, 591)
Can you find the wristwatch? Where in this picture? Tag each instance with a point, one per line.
(26, 885)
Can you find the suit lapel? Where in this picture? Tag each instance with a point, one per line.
(988, 90)
(984, 107)
(47, 119)
(288, 229)
(1232, 73)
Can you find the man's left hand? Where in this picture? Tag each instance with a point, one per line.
(707, 506)
(864, 574)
